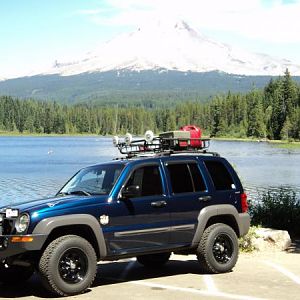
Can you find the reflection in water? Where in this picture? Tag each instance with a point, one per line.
(36, 167)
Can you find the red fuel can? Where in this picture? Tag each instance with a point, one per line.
(195, 133)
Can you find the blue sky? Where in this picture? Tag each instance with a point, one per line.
(34, 33)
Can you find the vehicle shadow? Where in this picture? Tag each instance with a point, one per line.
(108, 274)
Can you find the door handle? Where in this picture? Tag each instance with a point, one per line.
(159, 204)
(204, 198)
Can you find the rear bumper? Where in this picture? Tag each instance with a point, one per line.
(9, 248)
(244, 223)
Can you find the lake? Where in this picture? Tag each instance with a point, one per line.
(35, 167)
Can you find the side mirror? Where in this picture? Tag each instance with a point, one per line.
(131, 191)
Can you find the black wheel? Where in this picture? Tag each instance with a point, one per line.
(154, 260)
(218, 249)
(68, 265)
(15, 274)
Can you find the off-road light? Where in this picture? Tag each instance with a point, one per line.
(11, 213)
(128, 139)
(149, 136)
(22, 223)
(115, 140)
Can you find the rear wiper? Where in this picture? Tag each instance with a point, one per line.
(79, 192)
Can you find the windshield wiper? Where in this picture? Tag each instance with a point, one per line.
(79, 192)
(60, 194)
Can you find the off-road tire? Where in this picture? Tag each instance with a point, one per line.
(154, 260)
(218, 249)
(15, 274)
(78, 255)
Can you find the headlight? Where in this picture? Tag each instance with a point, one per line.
(22, 223)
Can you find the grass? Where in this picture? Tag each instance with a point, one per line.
(286, 144)
(246, 242)
(234, 139)
(276, 143)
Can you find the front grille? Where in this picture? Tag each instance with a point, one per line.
(6, 225)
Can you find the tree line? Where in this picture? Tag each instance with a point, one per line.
(273, 113)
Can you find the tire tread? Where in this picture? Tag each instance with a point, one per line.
(44, 265)
(203, 255)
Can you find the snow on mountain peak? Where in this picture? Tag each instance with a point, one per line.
(172, 45)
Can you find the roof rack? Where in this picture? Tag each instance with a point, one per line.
(162, 145)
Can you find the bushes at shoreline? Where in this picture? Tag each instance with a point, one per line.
(279, 209)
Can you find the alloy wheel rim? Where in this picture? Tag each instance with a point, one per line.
(73, 266)
(223, 248)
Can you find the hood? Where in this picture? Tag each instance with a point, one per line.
(57, 203)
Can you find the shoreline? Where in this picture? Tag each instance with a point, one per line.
(17, 134)
(277, 143)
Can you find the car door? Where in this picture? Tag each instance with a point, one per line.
(188, 195)
(141, 221)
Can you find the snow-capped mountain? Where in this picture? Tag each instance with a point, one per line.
(173, 46)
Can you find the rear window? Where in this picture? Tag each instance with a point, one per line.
(220, 176)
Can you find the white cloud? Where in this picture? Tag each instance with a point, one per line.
(265, 20)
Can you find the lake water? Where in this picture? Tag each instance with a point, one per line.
(35, 167)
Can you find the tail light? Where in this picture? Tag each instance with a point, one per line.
(244, 202)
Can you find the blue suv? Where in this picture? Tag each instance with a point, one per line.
(163, 197)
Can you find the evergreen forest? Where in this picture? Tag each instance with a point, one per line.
(273, 113)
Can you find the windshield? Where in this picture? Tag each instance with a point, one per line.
(97, 180)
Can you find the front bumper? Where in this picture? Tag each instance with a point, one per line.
(11, 245)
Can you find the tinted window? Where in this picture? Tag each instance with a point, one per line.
(220, 175)
(180, 178)
(148, 179)
(199, 184)
(186, 178)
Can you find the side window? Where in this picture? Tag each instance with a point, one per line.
(181, 180)
(148, 179)
(219, 175)
(186, 178)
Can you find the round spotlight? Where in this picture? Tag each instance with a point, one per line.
(115, 140)
(149, 136)
(128, 139)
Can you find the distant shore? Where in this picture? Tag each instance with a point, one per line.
(28, 134)
(277, 143)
